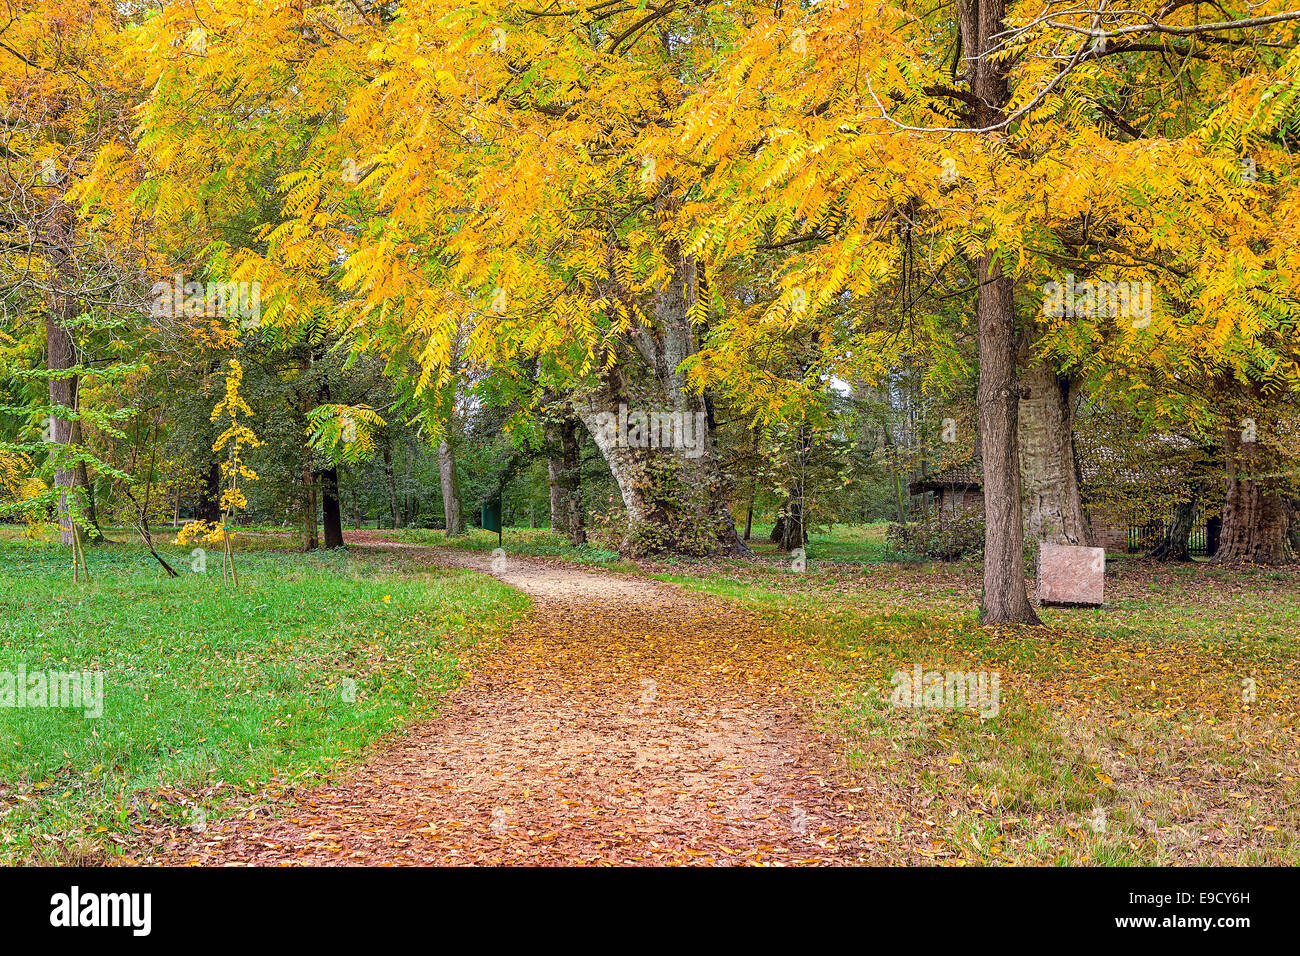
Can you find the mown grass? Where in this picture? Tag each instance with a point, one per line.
(214, 695)
(524, 542)
(1125, 735)
(841, 544)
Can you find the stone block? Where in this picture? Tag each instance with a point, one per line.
(1070, 575)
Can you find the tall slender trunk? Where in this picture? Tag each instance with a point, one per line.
(1005, 600)
(331, 510)
(571, 483)
(559, 500)
(1053, 504)
(391, 475)
(310, 542)
(1176, 543)
(61, 357)
(451, 506)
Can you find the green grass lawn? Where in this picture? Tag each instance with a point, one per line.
(214, 695)
(841, 544)
(525, 542)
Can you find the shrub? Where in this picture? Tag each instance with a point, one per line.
(944, 536)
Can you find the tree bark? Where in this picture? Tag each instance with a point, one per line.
(451, 507)
(673, 492)
(391, 475)
(1254, 517)
(1053, 504)
(331, 510)
(1004, 600)
(559, 500)
(61, 356)
(571, 483)
(1176, 543)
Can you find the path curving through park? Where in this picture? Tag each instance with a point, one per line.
(623, 722)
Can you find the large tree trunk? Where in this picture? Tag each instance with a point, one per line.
(673, 494)
(1053, 505)
(451, 507)
(1254, 516)
(1005, 600)
(673, 490)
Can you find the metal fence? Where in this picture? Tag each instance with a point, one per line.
(1144, 537)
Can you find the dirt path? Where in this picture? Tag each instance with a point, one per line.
(623, 722)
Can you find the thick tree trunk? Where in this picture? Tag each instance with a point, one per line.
(673, 490)
(1052, 503)
(452, 512)
(331, 510)
(1292, 508)
(1005, 600)
(1254, 517)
